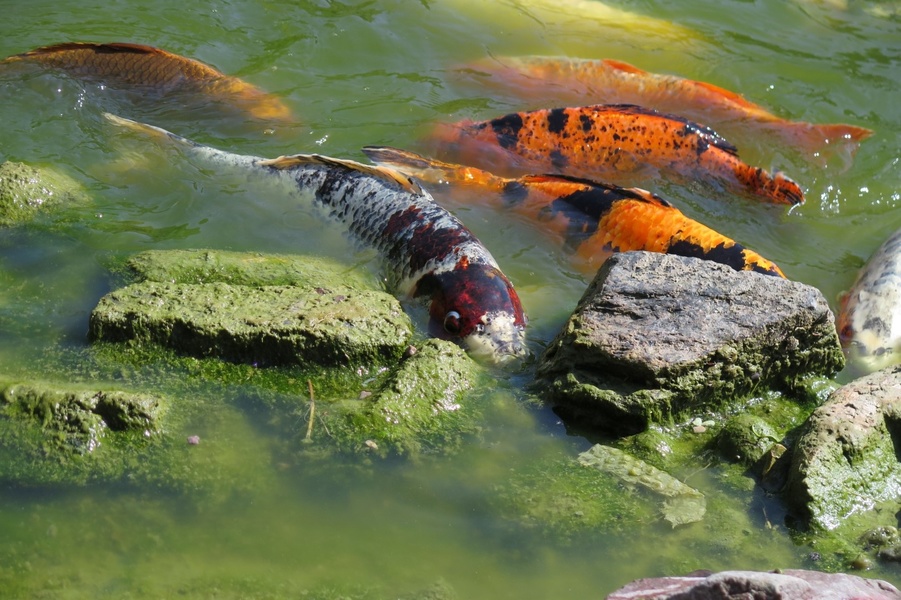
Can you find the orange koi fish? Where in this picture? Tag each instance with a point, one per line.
(572, 81)
(135, 65)
(612, 141)
(591, 219)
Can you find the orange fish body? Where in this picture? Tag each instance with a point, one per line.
(592, 220)
(135, 65)
(565, 81)
(611, 141)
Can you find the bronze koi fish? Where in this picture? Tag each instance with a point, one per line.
(124, 65)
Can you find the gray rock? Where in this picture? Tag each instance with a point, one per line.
(26, 191)
(269, 325)
(845, 459)
(657, 335)
(789, 584)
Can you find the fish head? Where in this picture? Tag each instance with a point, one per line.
(476, 306)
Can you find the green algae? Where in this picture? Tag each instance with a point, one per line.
(26, 191)
(269, 325)
(244, 268)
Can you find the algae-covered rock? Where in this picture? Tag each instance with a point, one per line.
(270, 325)
(420, 407)
(26, 191)
(656, 336)
(78, 419)
(845, 461)
(745, 438)
(58, 433)
(245, 268)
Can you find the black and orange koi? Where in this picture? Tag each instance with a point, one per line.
(425, 250)
(611, 142)
(592, 220)
(561, 80)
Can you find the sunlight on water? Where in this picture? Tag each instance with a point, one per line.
(355, 74)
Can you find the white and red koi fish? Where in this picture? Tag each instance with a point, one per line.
(869, 319)
(426, 251)
(557, 80)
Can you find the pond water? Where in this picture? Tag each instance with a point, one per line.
(380, 72)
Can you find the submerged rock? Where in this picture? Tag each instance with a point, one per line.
(268, 325)
(680, 504)
(657, 335)
(845, 460)
(25, 191)
(788, 584)
(76, 420)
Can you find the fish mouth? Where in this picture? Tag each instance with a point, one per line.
(501, 342)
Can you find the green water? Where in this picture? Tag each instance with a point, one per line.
(360, 73)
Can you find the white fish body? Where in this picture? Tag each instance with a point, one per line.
(869, 320)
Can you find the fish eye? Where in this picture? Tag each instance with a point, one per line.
(452, 323)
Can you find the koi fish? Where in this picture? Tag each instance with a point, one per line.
(591, 219)
(426, 251)
(572, 80)
(125, 65)
(610, 141)
(869, 319)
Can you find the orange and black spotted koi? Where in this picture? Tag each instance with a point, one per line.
(124, 65)
(425, 250)
(592, 220)
(609, 141)
(561, 80)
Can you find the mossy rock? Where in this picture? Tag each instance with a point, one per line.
(421, 408)
(245, 268)
(270, 325)
(26, 191)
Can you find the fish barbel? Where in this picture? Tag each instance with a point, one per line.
(591, 219)
(124, 65)
(560, 80)
(609, 141)
(426, 251)
(869, 319)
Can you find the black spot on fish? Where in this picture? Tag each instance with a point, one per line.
(514, 193)
(732, 255)
(587, 123)
(583, 210)
(556, 120)
(507, 130)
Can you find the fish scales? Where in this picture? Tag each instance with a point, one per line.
(869, 319)
(592, 220)
(610, 140)
(426, 251)
(130, 66)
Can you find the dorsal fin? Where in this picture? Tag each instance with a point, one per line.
(96, 47)
(705, 132)
(385, 173)
(633, 193)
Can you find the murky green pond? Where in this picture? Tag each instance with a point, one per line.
(379, 72)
